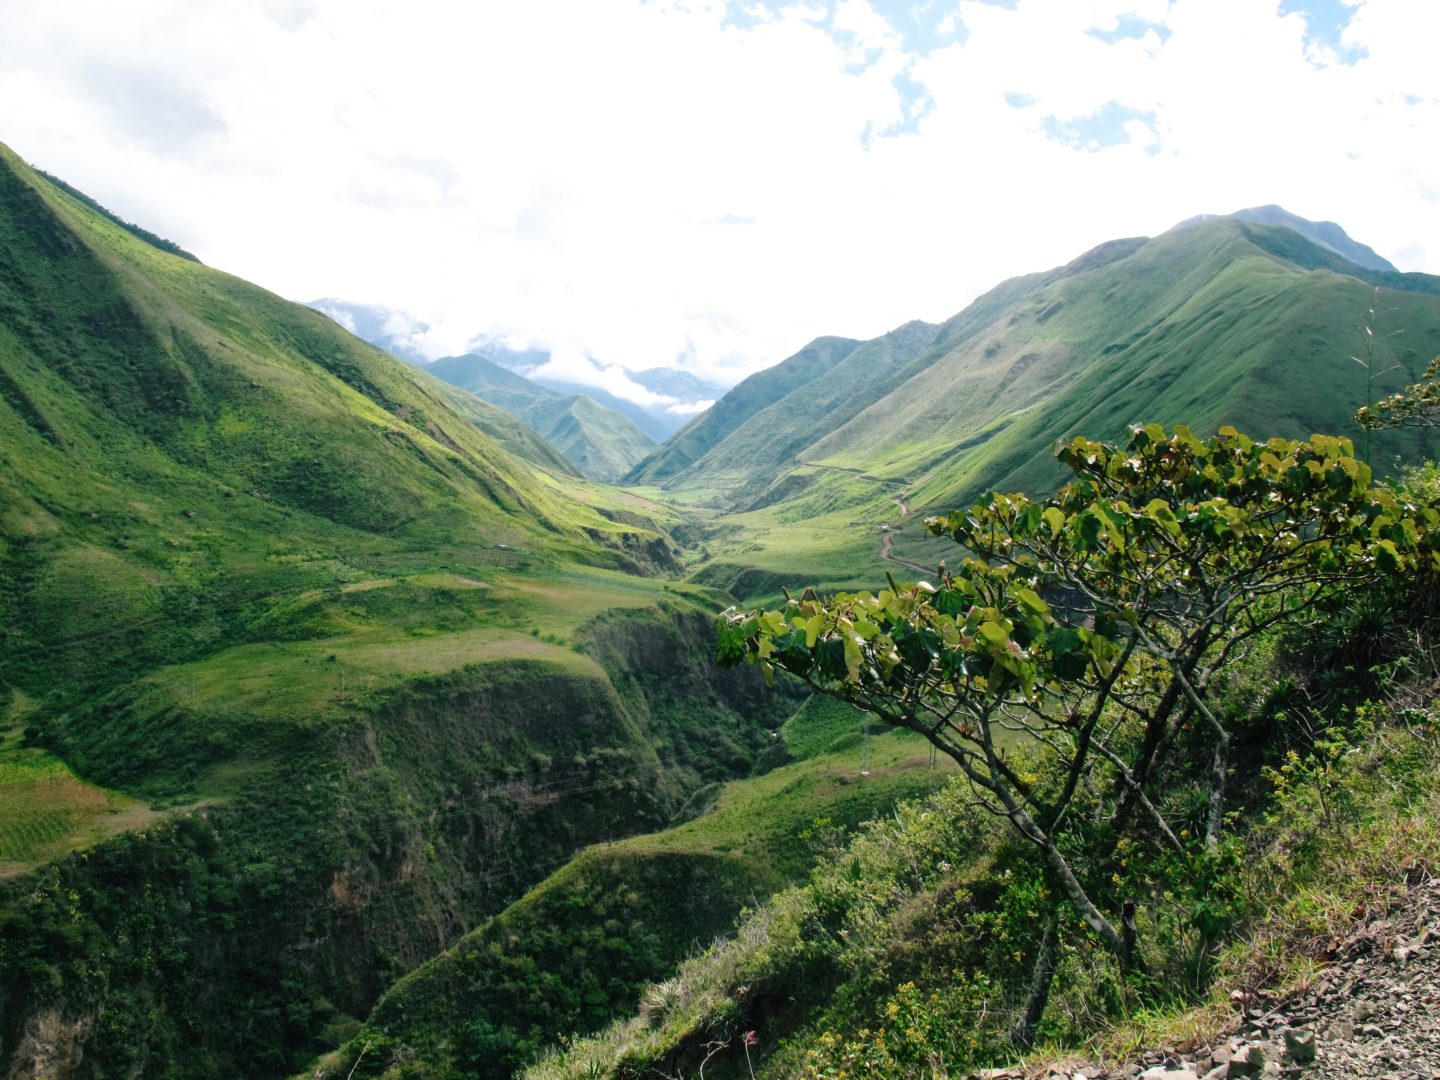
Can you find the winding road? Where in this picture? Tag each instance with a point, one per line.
(887, 542)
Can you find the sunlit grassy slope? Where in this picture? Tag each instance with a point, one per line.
(1225, 322)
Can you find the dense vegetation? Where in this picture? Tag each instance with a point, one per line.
(915, 949)
(137, 231)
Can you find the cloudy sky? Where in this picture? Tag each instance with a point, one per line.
(710, 184)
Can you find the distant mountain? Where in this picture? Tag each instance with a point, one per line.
(775, 414)
(402, 335)
(600, 442)
(507, 429)
(658, 421)
(1227, 321)
(679, 384)
(1326, 234)
(654, 420)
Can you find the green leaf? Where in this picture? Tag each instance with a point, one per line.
(994, 633)
(1055, 518)
(852, 657)
(813, 627)
(1030, 599)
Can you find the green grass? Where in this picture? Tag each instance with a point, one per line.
(1200, 327)
(47, 811)
(1221, 323)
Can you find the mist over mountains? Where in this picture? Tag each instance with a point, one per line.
(658, 400)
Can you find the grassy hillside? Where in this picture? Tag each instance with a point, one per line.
(1222, 322)
(507, 429)
(759, 391)
(600, 442)
(304, 670)
(744, 464)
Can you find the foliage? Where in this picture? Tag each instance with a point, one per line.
(1418, 405)
(834, 939)
(922, 899)
(1096, 622)
(577, 950)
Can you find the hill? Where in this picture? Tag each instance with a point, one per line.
(598, 441)
(304, 674)
(1226, 321)
(1325, 234)
(576, 950)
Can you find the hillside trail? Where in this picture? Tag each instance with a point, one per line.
(1374, 1011)
(887, 541)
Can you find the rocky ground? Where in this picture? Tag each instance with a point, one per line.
(1373, 1013)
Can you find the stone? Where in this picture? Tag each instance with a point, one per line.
(1300, 1045)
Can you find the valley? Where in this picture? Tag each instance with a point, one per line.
(350, 725)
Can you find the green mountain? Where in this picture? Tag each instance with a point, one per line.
(783, 430)
(507, 429)
(600, 442)
(1225, 321)
(1325, 234)
(304, 675)
(714, 425)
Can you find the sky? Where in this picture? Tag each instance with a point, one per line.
(704, 184)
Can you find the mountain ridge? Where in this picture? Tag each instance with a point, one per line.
(600, 442)
(322, 644)
(1226, 321)
(1326, 234)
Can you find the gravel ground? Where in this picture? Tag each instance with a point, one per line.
(1374, 1014)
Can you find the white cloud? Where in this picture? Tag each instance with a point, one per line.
(563, 172)
(689, 408)
(344, 318)
(572, 366)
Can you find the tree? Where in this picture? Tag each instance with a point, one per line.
(1089, 628)
(1418, 405)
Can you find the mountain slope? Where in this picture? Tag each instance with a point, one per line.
(1226, 321)
(507, 429)
(784, 429)
(1324, 234)
(600, 442)
(759, 391)
(1204, 327)
(327, 649)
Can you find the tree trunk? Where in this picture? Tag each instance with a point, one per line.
(1022, 1034)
